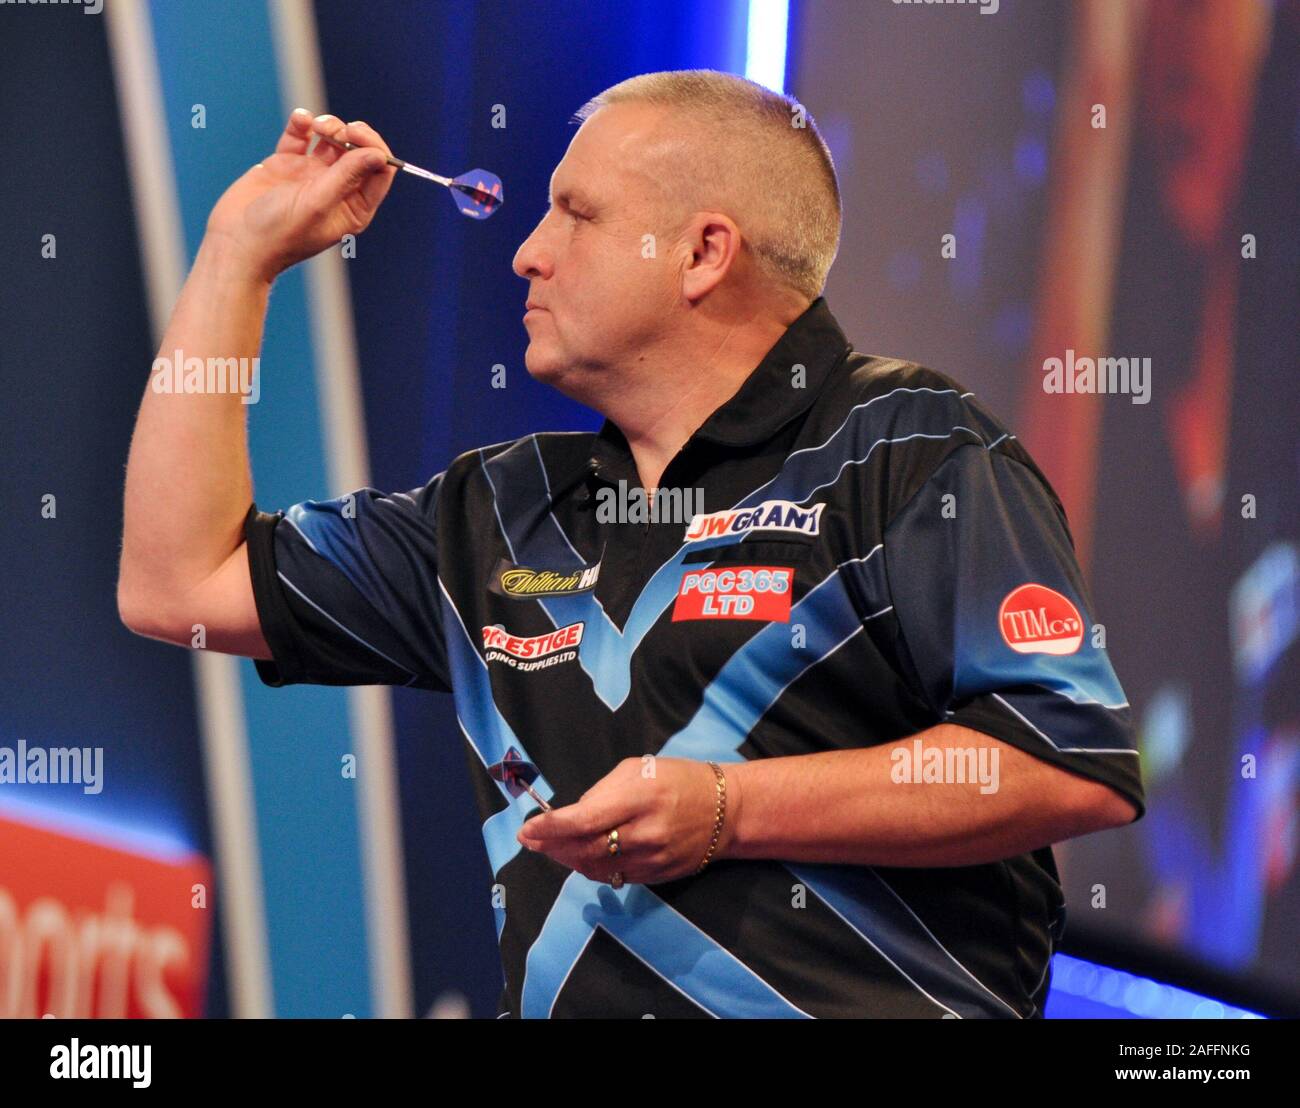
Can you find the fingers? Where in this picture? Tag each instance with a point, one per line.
(330, 126)
(358, 173)
(642, 859)
(374, 189)
(362, 134)
(358, 132)
(640, 868)
(595, 862)
(302, 129)
(355, 171)
(297, 133)
(639, 855)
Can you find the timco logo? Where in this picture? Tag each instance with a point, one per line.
(771, 515)
(1037, 620)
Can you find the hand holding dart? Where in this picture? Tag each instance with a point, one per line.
(478, 193)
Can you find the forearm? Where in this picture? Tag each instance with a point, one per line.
(847, 806)
(188, 481)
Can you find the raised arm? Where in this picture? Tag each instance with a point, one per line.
(188, 481)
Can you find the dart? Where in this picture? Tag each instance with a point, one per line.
(517, 776)
(477, 192)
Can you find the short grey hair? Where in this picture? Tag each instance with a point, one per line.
(760, 155)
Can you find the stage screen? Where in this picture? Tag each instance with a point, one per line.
(1119, 181)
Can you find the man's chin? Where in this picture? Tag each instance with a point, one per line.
(543, 366)
(557, 373)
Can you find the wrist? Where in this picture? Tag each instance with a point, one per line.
(728, 840)
(222, 259)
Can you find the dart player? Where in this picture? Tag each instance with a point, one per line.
(806, 749)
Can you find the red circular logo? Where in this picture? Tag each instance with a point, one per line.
(1034, 619)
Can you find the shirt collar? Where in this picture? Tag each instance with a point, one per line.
(770, 396)
(768, 399)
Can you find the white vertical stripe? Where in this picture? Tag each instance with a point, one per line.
(369, 707)
(766, 39)
(216, 676)
(148, 159)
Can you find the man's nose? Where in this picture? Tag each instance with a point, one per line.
(530, 259)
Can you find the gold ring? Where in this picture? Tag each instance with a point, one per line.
(612, 840)
(616, 881)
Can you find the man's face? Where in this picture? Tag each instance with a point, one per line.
(601, 300)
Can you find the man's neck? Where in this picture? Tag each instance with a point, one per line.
(679, 386)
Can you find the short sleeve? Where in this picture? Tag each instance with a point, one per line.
(347, 590)
(997, 627)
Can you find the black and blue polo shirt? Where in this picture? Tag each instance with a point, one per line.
(868, 553)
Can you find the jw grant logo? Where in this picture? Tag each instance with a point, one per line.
(771, 515)
(523, 583)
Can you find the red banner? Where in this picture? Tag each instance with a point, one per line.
(93, 931)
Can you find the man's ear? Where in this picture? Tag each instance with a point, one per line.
(714, 241)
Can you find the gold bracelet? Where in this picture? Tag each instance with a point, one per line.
(717, 823)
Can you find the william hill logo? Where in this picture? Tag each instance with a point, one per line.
(523, 583)
(1037, 620)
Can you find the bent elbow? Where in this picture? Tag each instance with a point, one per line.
(143, 613)
(133, 610)
(1101, 808)
(1119, 811)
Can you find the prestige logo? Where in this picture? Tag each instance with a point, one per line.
(1034, 619)
(771, 515)
(523, 583)
(533, 652)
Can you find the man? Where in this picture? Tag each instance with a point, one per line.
(807, 741)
